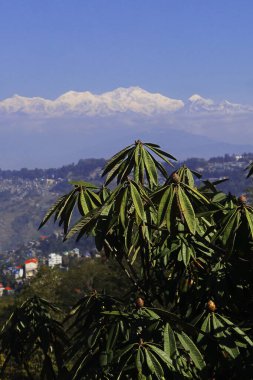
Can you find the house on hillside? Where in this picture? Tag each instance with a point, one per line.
(8, 291)
(18, 272)
(1, 289)
(31, 267)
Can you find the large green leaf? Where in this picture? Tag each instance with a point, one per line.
(205, 328)
(137, 201)
(187, 210)
(231, 227)
(161, 355)
(123, 207)
(225, 339)
(85, 224)
(169, 341)
(237, 330)
(160, 153)
(149, 361)
(249, 216)
(186, 253)
(127, 168)
(138, 361)
(58, 204)
(163, 205)
(116, 159)
(250, 169)
(150, 169)
(113, 173)
(82, 205)
(192, 350)
(66, 215)
(196, 194)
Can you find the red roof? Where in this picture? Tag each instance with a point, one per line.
(33, 260)
(8, 288)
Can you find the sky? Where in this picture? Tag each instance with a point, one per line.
(176, 48)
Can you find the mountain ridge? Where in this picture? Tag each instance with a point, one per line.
(38, 132)
(120, 100)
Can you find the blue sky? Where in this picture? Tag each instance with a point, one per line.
(175, 47)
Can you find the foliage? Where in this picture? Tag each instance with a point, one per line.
(44, 285)
(65, 288)
(187, 253)
(31, 331)
(7, 305)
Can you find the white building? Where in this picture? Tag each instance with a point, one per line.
(54, 259)
(1, 289)
(76, 252)
(18, 272)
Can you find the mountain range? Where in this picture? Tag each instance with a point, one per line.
(121, 100)
(38, 132)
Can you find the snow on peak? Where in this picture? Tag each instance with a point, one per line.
(132, 99)
(198, 98)
(197, 103)
(121, 100)
(19, 103)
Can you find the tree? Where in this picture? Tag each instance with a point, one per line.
(187, 252)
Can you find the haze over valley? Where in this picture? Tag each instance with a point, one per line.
(38, 132)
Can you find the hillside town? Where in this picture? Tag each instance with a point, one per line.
(17, 269)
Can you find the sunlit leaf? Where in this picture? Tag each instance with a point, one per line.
(187, 210)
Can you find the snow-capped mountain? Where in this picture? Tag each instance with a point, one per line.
(197, 103)
(121, 100)
(133, 99)
(43, 132)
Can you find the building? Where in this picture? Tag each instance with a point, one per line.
(8, 291)
(1, 289)
(18, 272)
(76, 252)
(54, 259)
(31, 267)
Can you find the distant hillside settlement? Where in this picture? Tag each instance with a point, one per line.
(20, 266)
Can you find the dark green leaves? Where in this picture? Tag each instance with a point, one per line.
(137, 201)
(192, 350)
(87, 199)
(31, 328)
(186, 210)
(250, 170)
(229, 337)
(136, 159)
